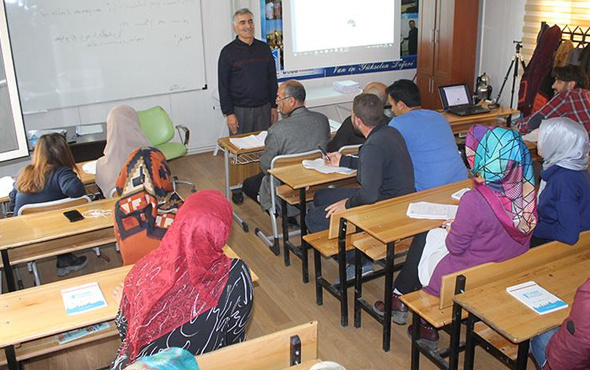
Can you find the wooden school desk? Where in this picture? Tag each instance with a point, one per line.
(514, 320)
(87, 179)
(462, 124)
(387, 222)
(39, 312)
(300, 179)
(52, 233)
(239, 164)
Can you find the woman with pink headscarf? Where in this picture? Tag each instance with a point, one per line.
(186, 293)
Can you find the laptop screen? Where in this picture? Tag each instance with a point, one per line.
(454, 95)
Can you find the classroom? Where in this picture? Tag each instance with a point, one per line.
(294, 184)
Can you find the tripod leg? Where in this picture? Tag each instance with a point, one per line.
(504, 82)
(514, 78)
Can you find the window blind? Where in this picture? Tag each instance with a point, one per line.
(571, 14)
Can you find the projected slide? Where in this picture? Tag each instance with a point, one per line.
(339, 32)
(323, 25)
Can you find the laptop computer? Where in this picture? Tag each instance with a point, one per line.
(456, 99)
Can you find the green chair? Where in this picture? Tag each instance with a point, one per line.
(159, 130)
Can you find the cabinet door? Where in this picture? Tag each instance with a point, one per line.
(426, 36)
(443, 37)
(436, 82)
(425, 82)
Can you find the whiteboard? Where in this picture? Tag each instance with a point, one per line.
(76, 52)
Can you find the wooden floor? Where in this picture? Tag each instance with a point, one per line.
(281, 300)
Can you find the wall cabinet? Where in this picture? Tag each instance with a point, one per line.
(447, 46)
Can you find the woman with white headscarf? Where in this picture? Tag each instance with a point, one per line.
(123, 136)
(564, 194)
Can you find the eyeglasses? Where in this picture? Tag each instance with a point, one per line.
(281, 99)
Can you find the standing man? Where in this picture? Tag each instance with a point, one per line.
(247, 79)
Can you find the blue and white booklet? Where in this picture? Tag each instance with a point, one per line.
(72, 335)
(536, 297)
(83, 298)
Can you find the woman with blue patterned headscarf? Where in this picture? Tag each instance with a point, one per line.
(494, 220)
(564, 195)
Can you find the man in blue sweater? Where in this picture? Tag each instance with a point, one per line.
(428, 136)
(436, 161)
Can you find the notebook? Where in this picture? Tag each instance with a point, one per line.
(456, 99)
(536, 298)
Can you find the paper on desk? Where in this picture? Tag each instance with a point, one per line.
(432, 211)
(532, 136)
(83, 298)
(320, 166)
(334, 125)
(458, 194)
(250, 141)
(88, 129)
(89, 167)
(6, 185)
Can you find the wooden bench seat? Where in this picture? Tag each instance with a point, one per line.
(376, 250)
(292, 196)
(427, 307)
(438, 311)
(327, 247)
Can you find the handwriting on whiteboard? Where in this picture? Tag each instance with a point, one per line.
(130, 28)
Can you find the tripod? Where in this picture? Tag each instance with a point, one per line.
(516, 58)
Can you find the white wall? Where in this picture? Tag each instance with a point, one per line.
(501, 23)
(194, 109)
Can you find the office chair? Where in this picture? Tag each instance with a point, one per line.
(159, 130)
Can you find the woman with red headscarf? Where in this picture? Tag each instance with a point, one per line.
(186, 293)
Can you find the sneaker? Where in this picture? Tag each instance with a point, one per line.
(428, 335)
(237, 197)
(399, 311)
(365, 269)
(68, 262)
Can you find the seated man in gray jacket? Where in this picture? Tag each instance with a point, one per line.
(299, 131)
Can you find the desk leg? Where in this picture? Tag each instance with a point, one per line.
(358, 287)
(8, 271)
(228, 191)
(456, 326)
(226, 165)
(304, 248)
(285, 227)
(342, 272)
(11, 358)
(319, 293)
(469, 343)
(5, 210)
(523, 354)
(388, 296)
(415, 365)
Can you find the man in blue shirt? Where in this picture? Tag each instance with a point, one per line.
(436, 162)
(428, 136)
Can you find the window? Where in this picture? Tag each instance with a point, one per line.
(13, 141)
